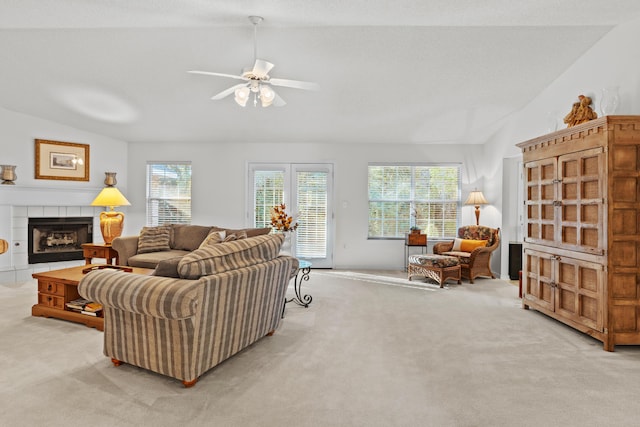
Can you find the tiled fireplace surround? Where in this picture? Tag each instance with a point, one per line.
(17, 205)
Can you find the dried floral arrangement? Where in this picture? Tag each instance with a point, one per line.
(280, 220)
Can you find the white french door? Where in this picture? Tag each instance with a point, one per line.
(307, 191)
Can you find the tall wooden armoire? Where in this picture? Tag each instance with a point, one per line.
(581, 261)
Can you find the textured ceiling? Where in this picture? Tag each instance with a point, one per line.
(390, 71)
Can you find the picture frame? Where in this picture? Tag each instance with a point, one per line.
(60, 160)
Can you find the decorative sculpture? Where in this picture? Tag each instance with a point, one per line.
(580, 112)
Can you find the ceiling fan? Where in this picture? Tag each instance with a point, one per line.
(256, 80)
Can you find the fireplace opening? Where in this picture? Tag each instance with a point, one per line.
(58, 239)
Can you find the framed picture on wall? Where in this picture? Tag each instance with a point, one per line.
(62, 160)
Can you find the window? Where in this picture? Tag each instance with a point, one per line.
(406, 195)
(168, 193)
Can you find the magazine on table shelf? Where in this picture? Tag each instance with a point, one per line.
(84, 306)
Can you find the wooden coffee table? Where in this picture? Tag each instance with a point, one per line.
(58, 287)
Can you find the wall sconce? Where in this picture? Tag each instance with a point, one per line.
(8, 174)
(476, 198)
(111, 222)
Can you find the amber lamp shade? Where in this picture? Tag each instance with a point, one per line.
(111, 222)
(476, 198)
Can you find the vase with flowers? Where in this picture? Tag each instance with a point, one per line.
(283, 223)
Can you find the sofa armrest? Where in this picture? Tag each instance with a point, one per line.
(154, 296)
(126, 247)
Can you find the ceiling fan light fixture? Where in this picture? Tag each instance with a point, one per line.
(267, 95)
(257, 80)
(242, 96)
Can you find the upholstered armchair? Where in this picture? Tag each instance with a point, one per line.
(475, 257)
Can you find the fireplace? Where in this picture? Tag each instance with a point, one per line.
(58, 239)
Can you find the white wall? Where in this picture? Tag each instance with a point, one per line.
(17, 147)
(220, 184)
(613, 61)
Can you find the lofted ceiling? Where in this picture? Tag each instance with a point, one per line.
(392, 71)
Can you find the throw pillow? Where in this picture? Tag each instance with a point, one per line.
(213, 238)
(456, 244)
(236, 236)
(251, 232)
(154, 239)
(470, 245)
(168, 267)
(230, 238)
(231, 255)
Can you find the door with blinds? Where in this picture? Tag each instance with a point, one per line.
(307, 192)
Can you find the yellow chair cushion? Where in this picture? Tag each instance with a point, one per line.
(470, 245)
(466, 245)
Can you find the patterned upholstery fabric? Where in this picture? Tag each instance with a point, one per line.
(182, 328)
(438, 261)
(154, 239)
(462, 256)
(476, 232)
(218, 258)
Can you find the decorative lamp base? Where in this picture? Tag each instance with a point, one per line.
(111, 224)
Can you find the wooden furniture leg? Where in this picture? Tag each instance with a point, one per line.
(189, 384)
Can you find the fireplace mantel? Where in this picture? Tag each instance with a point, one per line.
(17, 195)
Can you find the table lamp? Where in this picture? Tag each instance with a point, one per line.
(476, 198)
(111, 222)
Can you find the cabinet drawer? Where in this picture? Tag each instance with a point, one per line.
(51, 301)
(49, 287)
(94, 253)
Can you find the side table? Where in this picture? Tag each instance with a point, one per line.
(304, 268)
(419, 241)
(97, 250)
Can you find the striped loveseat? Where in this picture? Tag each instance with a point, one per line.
(228, 297)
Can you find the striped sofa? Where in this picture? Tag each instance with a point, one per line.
(232, 295)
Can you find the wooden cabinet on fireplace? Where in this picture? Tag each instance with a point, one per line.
(582, 227)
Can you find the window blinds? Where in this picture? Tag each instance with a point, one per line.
(168, 193)
(402, 196)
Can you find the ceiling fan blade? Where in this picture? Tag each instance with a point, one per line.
(210, 73)
(227, 92)
(297, 84)
(277, 101)
(261, 68)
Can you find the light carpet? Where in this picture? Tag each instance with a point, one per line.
(373, 349)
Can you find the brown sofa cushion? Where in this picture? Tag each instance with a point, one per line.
(188, 237)
(221, 257)
(152, 259)
(168, 268)
(154, 239)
